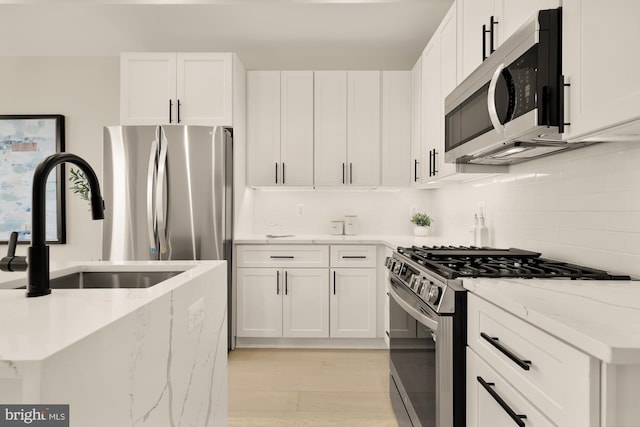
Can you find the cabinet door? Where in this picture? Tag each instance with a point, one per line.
(417, 162)
(204, 89)
(259, 302)
(396, 127)
(448, 82)
(296, 148)
(483, 409)
(431, 105)
(263, 128)
(363, 128)
(600, 65)
(305, 311)
(472, 15)
(353, 303)
(147, 88)
(330, 128)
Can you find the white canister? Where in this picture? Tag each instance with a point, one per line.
(350, 224)
(337, 227)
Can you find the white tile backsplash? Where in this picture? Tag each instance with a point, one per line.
(581, 206)
(379, 211)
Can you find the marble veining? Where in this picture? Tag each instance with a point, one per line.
(601, 318)
(122, 357)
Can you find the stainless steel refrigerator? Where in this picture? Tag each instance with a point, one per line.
(168, 193)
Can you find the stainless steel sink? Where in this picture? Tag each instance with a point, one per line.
(110, 279)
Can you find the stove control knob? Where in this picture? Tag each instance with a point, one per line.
(433, 296)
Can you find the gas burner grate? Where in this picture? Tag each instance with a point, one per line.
(452, 262)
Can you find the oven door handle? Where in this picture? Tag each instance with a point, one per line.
(422, 316)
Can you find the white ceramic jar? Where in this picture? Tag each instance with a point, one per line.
(350, 224)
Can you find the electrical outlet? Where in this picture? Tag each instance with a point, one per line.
(196, 314)
(413, 209)
(300, 209)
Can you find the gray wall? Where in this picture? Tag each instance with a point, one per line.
(86, 91)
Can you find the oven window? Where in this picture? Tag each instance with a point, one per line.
(413, 354)
(468, 120)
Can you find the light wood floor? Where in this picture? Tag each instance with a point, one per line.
(292, 387)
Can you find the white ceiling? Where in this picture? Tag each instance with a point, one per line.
(266, 34)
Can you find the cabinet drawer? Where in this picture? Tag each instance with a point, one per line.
(353, 256)
(559, 379)
(490, 398)
(282, 256)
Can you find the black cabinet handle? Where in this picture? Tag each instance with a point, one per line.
(178, 111)
(354, 257)
(492, 23)
(484, 42)
(435, 170)
(283, 172)
(277, 282)
(276, 172)
(170, 110)
(282, 257)
(286, 284)
(350, 173)
(387, 332)
(515, 417)
(415, 170)
(563, 87)
(334, 282)
(524, 364)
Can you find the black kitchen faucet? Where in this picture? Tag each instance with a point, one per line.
(38, 254)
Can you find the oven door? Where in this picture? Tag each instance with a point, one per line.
(420, 360)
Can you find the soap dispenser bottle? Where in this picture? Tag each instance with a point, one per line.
(482, 233)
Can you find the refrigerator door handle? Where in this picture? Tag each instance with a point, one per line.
(152, 173)
(160, 192)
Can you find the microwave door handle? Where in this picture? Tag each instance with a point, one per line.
(491, 100)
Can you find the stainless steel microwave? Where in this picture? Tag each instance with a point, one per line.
(510, 109)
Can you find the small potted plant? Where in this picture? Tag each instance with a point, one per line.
(422, 222)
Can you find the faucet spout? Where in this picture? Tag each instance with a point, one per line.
(38, 254)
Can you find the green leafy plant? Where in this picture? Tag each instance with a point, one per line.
(421, 219)
(80, 184)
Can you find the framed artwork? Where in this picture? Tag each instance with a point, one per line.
(26, 140)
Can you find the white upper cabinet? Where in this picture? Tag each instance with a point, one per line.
(347, 128)
(280, 128)
(176, 88)
(363, 128)
(484, 24)
(417, 157)
(601, 62)
(396, 127)
(263, 128)
(330, 127)
(296, 121)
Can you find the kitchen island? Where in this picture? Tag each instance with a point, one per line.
(152, 356)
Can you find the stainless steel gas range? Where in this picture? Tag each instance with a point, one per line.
(427, 311)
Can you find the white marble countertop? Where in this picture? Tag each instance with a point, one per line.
(35, 328)
(601, 318)
(391, 241)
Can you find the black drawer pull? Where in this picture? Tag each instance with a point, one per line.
(281, 257)
(515, 417)
(354, 257)
(524, 364)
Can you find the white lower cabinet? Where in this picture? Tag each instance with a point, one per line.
(282, 302)
(306, 291)
(493, 402)
(353, 303)
(531, 371)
